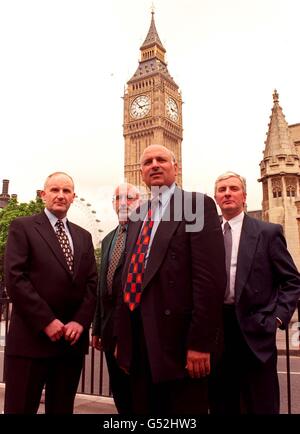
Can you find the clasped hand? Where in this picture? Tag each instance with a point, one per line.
(197, 364)
(70, 331)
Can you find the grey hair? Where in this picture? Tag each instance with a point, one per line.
(57, 173)
(227, 175)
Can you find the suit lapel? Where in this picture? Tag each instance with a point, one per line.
(105, 258)
(43, 226)
(246, 252)
(106, 247)
(160, 243)
(77, 245)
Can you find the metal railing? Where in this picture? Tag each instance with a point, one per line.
(95, 380)
(94, 377)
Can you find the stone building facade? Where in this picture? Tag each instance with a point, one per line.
(280, 177)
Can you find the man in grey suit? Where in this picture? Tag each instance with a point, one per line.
(125, 199)
(51, 278)
(263, 287)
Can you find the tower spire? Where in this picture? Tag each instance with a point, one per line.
(280, 178)
(152, 56)
(152, 37)
(278, 140)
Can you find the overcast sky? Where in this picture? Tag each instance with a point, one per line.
(64, 65)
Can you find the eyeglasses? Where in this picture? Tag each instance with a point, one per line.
(124, 197)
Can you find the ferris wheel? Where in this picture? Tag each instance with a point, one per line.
(82, 213)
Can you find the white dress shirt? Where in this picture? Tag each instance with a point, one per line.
(164, 199)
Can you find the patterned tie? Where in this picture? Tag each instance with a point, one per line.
(64, 243)
(228, 249)
(133, 287)
(115, 257)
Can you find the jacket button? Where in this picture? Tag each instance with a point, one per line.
(167, 312)
(171, 282)
(173, 255)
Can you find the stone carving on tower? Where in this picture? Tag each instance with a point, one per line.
(280, 177)
(152, 108)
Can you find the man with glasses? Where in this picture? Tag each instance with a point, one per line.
(125, 199)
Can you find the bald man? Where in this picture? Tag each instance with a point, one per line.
(51, 279)
(173, 281)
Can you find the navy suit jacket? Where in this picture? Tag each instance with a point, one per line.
(42, 288)
(183, 291)
(267, 284)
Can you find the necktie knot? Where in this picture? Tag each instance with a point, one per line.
(227, 227)
(59, 224)
(154, 204)
(122, 229)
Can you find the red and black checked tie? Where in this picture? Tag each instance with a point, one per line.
(133, 287)
(64, 243)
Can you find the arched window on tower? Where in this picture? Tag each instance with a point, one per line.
(276, 192)
(290, 191)
(276, 187)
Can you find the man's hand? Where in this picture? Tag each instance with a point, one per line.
(96, 343)
(72, 332)
(198, 364)
(54, 330)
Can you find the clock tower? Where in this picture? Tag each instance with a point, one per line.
(152, 108)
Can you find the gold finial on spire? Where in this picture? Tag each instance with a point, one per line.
(275, 96)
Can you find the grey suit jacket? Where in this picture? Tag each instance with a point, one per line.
(267, 284)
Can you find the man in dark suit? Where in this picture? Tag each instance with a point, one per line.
(51, 278)
(262, 293)
(125, 199)
(167, 332)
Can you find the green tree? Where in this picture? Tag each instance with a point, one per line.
(8, 214)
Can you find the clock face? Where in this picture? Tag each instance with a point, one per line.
(140, 106)
(172, 109)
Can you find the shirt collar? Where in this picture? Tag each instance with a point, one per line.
(53, 219)
(235, 221)
(166, 193)
(123, 226)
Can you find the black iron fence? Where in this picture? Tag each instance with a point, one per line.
(94, 378)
